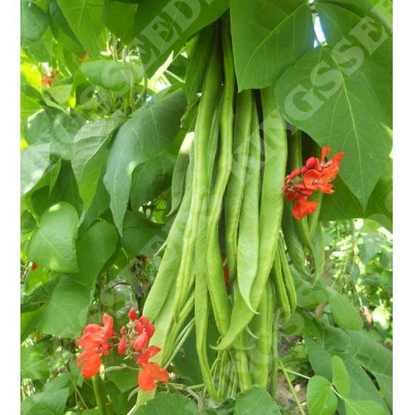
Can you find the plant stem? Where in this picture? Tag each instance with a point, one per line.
(297, 401)
(101, 396)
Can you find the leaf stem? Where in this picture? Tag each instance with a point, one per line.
(287, 378)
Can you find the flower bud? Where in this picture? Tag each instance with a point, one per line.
(122, 346)
(132, 315)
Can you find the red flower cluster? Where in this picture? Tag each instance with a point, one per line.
(316, 175)
(135, 337)
(134, 340)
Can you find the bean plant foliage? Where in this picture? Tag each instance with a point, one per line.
(191, 173)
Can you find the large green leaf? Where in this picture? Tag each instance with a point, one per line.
(54, 127)
(46, 403)
(255, 397)
(149, 133)
(119, 17)
(344, 313)
(90, 154)
(52, 400)
(320, 359)
(151, 178)
(267, 37)
(85, 19)
(361, 385)
(321, 399)
(357, 22)
(34, 162)
(34, 361)
(67, 312)
(33, 23)
(341, 379)
(115, 76)
(354, 407)
(53, 243)
(346, 108)
(94, 248)
(375, 358)
(163, 26)
(141, 236)
(343, 205)
(62, 31)
(168, 403)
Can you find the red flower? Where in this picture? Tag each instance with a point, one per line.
(95, 342)
(147, 354)
(315, 180)
(149, 374)
(303, 207)
(316, 174)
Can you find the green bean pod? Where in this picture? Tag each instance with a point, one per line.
(272, 203)
(208, 103)
(283, 306)
(287, 276)
(261, 326)
(294, 246)
(214, 264)
(248, 237)
(236, 185)
(202, 315)
(170, 263)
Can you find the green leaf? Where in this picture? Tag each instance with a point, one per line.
(29, 321)
(85, 19)
(115, 76)
(94, 248)
(255, 397)
(320, 359)
(354, 407)
(34, 161)
(346, 108)
(33, 23)
(344, 313)
(90, 154)
(34, 361)
(375, 358)
(267, 37)
(321, 399)
(141, 236)
(146, 135)
(119, 17)
(361, 385)
(54, 127)
(53, 243)
(341, 378)
(62, 31)
(164, 26)
(66, 188)
(67, 312)
(168, 403)
(45, 403)
(343, 205)
(151, 178)
(357, 22)
(99, 205)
